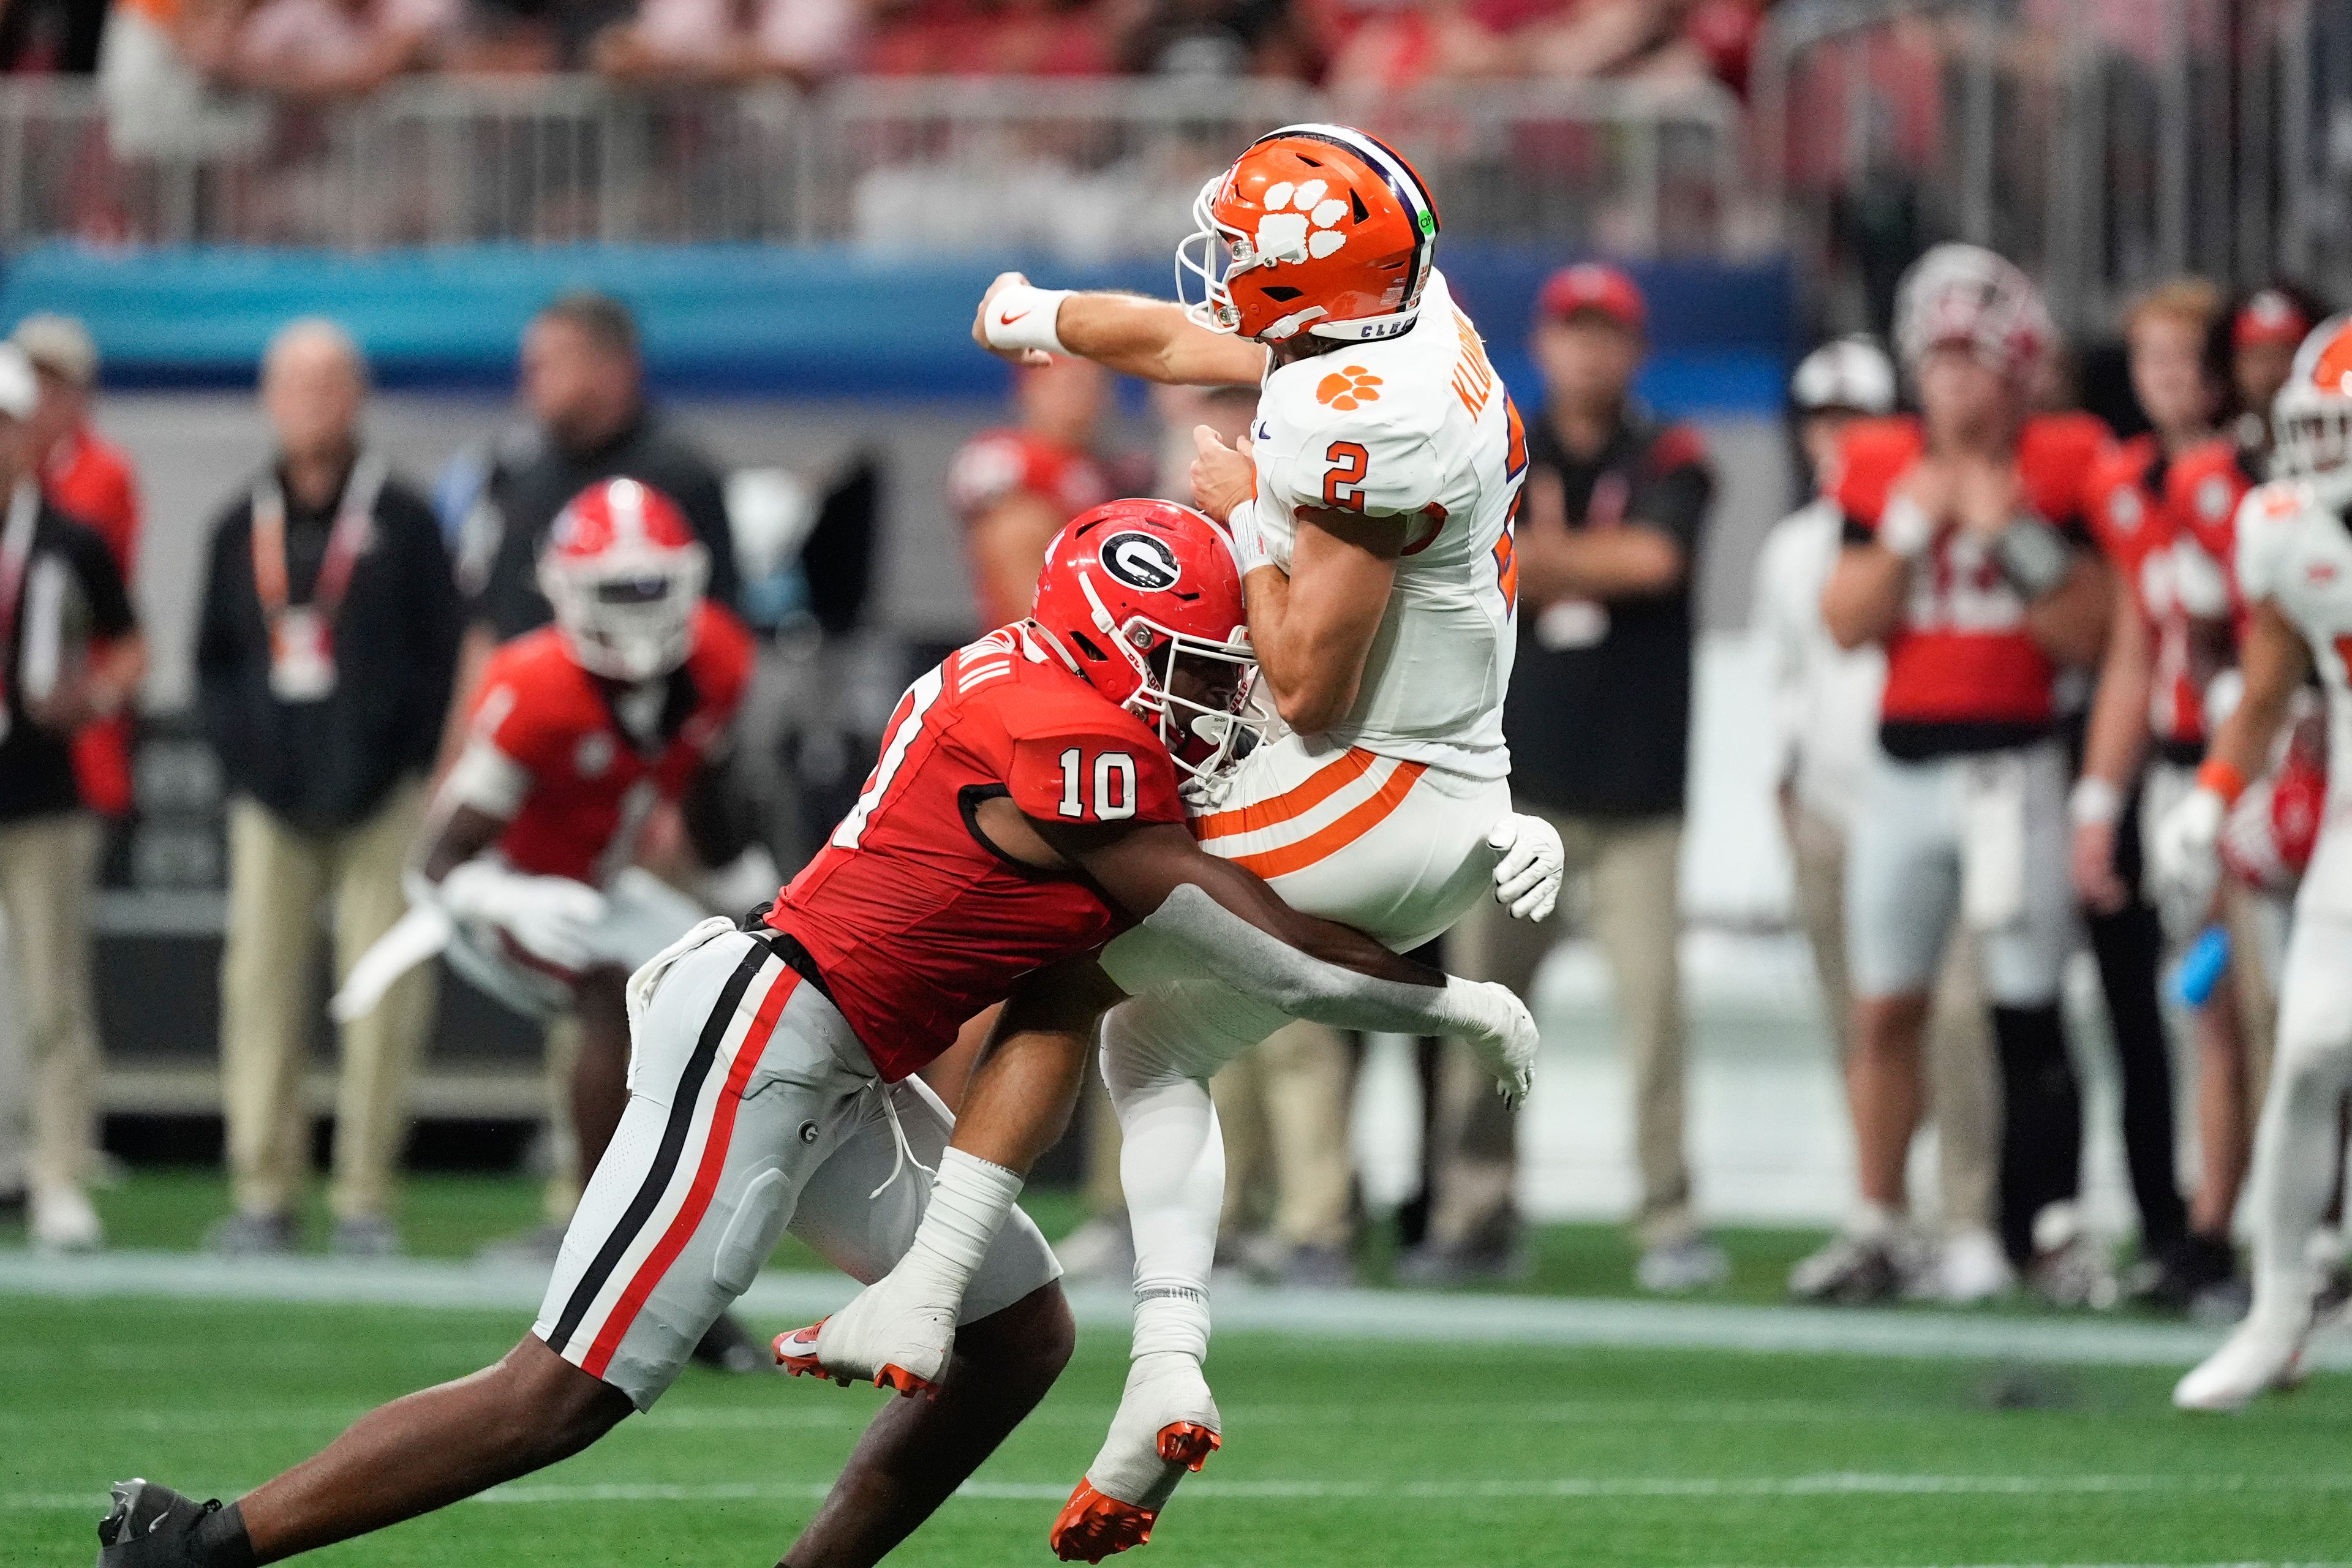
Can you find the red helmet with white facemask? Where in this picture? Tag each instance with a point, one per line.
(1130, 589)
(624, 573)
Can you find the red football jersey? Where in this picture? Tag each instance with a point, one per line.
(915, 922)
(998, 463)
(2133, 523)
(89, 480)
(1961, 668)
(594, 777)
(2202, 490)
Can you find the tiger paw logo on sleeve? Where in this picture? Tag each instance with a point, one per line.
(1347, 388)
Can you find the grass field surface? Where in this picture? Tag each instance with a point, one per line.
(1337, 1453)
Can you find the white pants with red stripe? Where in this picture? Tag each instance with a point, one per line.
(752, 1109)
(1396, 849)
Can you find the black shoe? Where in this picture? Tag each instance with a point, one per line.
(2184, 1272)
(150, 1527)
(728, 1346)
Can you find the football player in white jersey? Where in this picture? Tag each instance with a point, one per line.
(1372, 509)
(2294, 568)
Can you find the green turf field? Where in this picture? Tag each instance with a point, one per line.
(1336, 1454)
(1390, 1452)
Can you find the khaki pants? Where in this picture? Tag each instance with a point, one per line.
(1963, 1091)
(47, 866)
(1283, 1109)
(1633, 864)
(280, 878)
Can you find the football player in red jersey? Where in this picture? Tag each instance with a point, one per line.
(1024, 810)
(2170, 635)
(1012, 490)
(579, 731)
(1964, 559)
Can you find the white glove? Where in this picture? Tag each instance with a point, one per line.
(553, 918)
(1530, 862)
(1505, 1044)
(2186, 862)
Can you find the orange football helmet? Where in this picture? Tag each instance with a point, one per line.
(1317, 228)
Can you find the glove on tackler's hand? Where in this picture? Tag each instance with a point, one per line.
(553, 918)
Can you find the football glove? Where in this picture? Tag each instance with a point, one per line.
(2186, 862)
(1529, 864)
(553, 918)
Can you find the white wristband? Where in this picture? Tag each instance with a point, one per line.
(1021, 317)
(1249, 545)
(1905, 528)
(2094, 800)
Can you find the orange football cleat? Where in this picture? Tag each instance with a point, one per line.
(1094, 1526)
(796, 1353)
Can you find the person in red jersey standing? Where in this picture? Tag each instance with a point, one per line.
(1024, 810)
(1014, 488)
(1964, 558)
(89, 480)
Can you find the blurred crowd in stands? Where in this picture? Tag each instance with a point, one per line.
(312, 50)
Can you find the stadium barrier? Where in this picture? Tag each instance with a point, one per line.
(1084, 169)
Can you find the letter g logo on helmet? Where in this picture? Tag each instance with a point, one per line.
(1141, 561)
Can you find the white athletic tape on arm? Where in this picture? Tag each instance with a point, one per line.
(1273, 971)
(1021, 317)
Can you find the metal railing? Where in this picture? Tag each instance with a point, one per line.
(1089, 168)
(2102, 146)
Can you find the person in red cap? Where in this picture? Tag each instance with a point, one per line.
(1598, 719)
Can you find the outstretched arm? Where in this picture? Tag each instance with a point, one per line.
(1125, 332)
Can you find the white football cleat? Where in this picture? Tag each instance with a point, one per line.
(2263, 1355)
(1969, 1269)
(1166, 1425)
(885, 1336)
(64, 1221)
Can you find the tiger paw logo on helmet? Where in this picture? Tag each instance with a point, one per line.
(1311, 228)
(1347, 388)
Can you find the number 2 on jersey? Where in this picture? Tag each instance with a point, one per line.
(1343, 482)
(1114, 785)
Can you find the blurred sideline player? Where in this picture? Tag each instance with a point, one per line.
(88, 479)
(2295, 569)
(1014, 488)
(1024, 810)
(1371, 514)
(578, 733)
(1825, 712)
(2170, 636)
(1964, 557)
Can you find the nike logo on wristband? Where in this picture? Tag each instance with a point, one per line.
(1006, 318)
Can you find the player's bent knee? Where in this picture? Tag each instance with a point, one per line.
(557, 1408)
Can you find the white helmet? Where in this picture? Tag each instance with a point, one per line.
(2311, 420)
(1963, 293)
(1851, 374)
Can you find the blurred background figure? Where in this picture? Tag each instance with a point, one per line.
(1599, 724)
(2169, 633)
(1014, 488)
(1825, 732)
(90, 480)
(70, 653)
(714, 41)
(329, 639)
(1961, 559)
(316, 50)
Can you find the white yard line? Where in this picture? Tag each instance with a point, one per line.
(1372, 1316)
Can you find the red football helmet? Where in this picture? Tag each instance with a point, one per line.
(1129, 589)
(624, 573)
(1315, 227)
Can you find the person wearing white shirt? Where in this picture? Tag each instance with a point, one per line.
(1825, 728)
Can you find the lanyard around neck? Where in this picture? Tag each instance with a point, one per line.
(355, 520)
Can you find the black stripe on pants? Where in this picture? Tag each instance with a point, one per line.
(674, 1132)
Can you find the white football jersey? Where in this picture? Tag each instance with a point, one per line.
(2296, 551)
(1417, 426)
